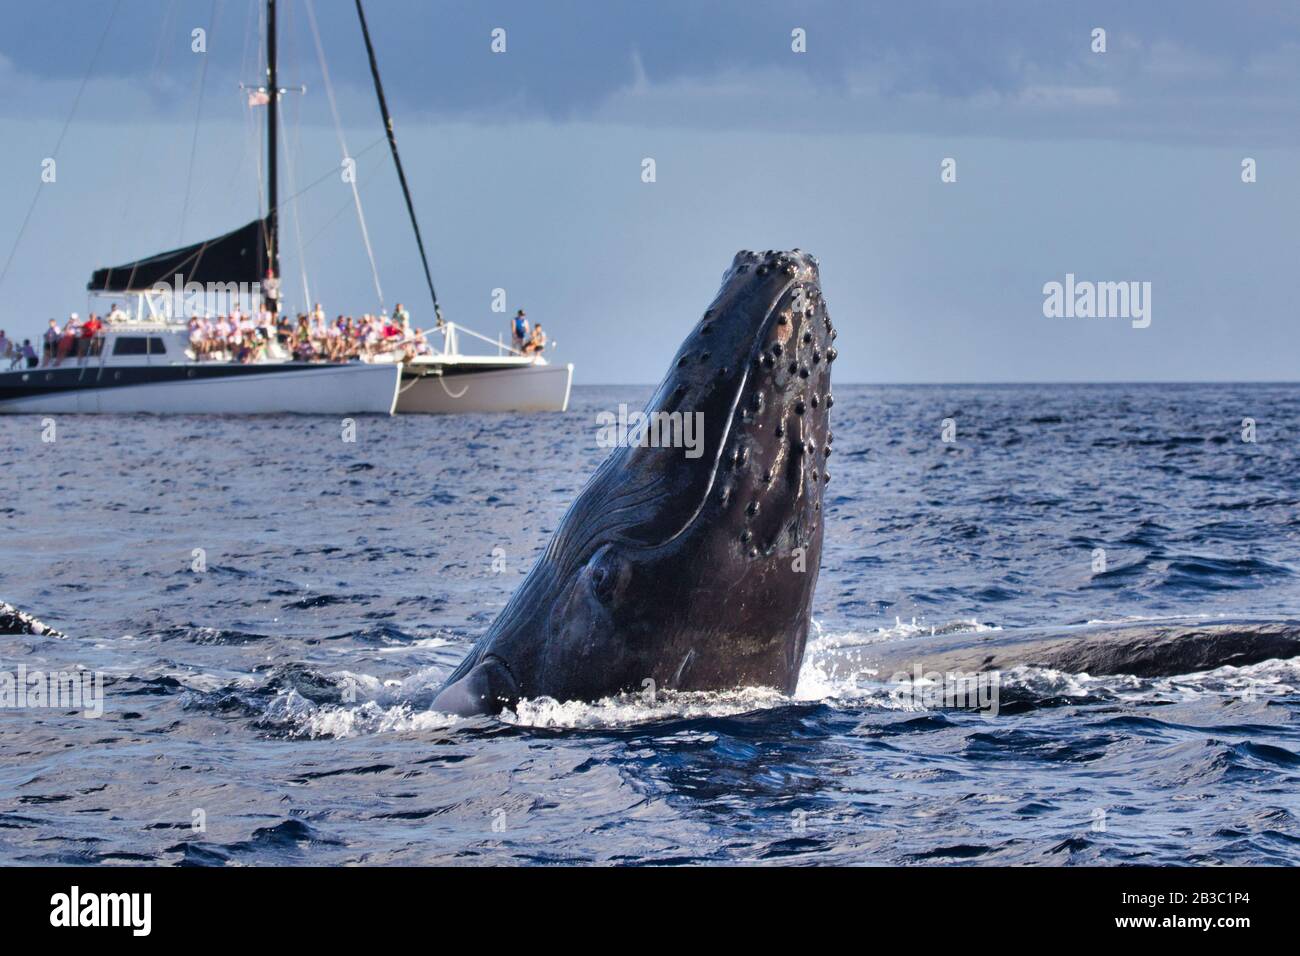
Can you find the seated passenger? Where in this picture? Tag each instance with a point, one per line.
(196, 337)
(421, 343)
(537, 343)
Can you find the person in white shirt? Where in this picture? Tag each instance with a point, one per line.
(334, 341)
(51, 340)
(68, 340)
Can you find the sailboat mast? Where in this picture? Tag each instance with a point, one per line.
(272, 147)
(397, 160)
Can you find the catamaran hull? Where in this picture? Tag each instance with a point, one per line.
(524, 388)
(354, 389)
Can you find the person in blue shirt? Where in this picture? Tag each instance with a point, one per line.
(519, 327)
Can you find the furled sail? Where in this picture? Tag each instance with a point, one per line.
(238, 256)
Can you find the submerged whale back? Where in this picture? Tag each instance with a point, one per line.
(1140, 650)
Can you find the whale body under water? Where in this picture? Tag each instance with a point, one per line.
(1147, 649)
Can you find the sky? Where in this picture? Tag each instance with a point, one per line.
(527, 169)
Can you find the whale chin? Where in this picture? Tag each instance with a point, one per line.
(487, 688)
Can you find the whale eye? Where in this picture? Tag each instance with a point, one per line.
(605, 573)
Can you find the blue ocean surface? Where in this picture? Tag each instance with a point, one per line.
(273, 607)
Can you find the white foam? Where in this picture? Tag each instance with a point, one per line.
(308, 719)
(834, 672)
(834, 668)
(1274, 678)
(627, 709)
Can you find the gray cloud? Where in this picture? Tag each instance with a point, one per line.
(1181, 71)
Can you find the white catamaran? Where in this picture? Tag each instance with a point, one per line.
(146, 360)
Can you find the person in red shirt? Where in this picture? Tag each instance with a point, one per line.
(391, 334)
(89, 330)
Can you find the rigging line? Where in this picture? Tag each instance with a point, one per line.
(114, 241)
(243, 71)
(361, 184)
(293, 164)
(162, 65)
(248, 37)
(397, 160)
(338, 129)
(328, 174)
(297, 224)
(59, 143)
(198, 121)
(161, 52)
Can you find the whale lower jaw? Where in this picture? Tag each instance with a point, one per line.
(485, 688)
(1141, 650)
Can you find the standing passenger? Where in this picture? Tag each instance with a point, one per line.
(68, 340)
(89, 333)
(519, 329)
(51, 340)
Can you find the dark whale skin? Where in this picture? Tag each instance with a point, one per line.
(671, 572)
(1141, 650)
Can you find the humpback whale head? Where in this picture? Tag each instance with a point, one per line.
(689, 559)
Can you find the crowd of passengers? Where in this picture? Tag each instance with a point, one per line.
(310, 337)
(247, 337)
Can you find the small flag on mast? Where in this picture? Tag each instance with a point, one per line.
(258, 98)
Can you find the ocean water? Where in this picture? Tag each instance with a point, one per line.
(273, 706)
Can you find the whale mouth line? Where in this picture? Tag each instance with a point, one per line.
(755, 346)
(493, 658)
